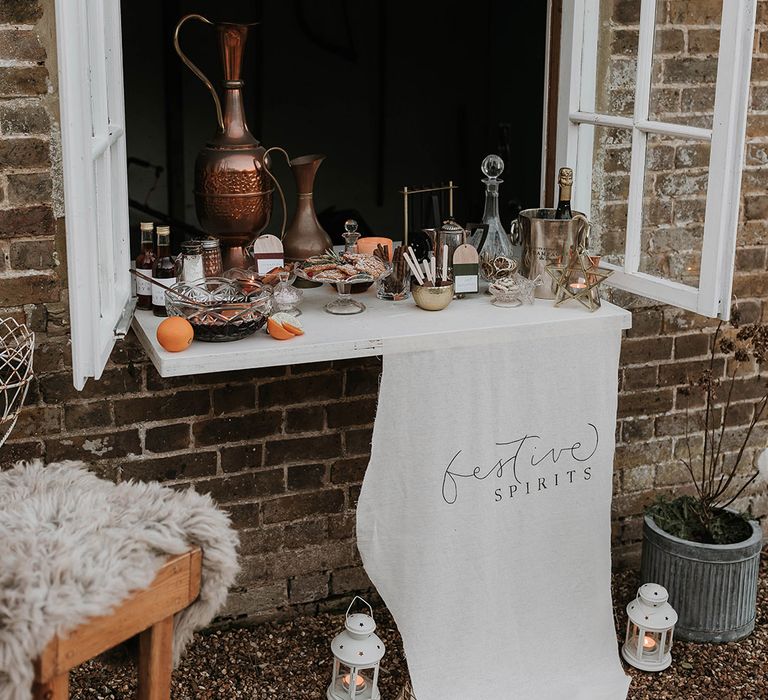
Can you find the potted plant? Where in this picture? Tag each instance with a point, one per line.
(705, 553)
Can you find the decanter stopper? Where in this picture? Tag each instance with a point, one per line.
(350, 236)
(492, 166)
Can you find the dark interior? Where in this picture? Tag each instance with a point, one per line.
(394, 93)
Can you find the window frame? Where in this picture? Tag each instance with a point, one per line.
(90, 63)
(575, 107)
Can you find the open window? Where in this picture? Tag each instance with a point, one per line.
(651, 114)
(647, 103)
(95, 183)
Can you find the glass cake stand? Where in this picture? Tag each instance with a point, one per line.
(344, 304)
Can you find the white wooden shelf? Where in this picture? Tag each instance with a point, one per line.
(384, 327)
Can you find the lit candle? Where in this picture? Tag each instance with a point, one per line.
(359, 682)
(649, 644)
(577, 286)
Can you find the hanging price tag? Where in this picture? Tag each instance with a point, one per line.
(466, 270)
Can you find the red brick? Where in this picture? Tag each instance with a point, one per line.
(349, 470)
(113, 382)
(13, 451)
(358, 442)
(21, 82)
(306, 476)
(234, 398)
(360, 412)
(645, 403)
(350, 579)
(639, 377)
(645, 322)
(681, 373)
(94, 446)
(38, 420)
(29, 289)
(638, 351)
(302, 505)
(325, 557)
(255, 484)
(308, 588)
(21, 120)
(20, 11)
(695, 11)
(643, 453)
(24, 152)
(20, 45)
(241, 457)
(636, 429)
(359, 382)
(237, 428)
(150, 408)
(304, 420)
(27, 221)
(168, 438)
(26, 188)
(32, 255)
(184, 466)
(79, 416)
(243, 515)
(306, 449)
(300, 390)
(692, 345)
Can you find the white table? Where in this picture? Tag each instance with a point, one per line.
(384, 327)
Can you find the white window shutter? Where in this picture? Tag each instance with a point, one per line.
(95, 178)
(574, 144)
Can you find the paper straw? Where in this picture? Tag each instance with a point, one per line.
(428, 271)
(433, 268)
(445, 262)
(413, 265)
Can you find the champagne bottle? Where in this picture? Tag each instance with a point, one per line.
(164, 270)
(565, 182)
(145, 262)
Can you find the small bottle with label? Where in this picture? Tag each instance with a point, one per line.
(145, 263)
(164, 270)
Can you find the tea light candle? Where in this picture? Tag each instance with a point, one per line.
(359, 682)
(649, 644)
(368, 244)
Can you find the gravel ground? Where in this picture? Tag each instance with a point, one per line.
(292, 660)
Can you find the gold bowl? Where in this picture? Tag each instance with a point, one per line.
(432, 298)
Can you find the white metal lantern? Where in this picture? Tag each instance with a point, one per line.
(649, 629)
(357, 652)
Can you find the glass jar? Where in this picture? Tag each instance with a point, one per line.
(190, 262)
(212, 264)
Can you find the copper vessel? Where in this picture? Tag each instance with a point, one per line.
(305, 236)
(233, 185)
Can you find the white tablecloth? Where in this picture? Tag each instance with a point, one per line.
(484, 517)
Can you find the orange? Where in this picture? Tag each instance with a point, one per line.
(292, 329)
(175, 334)
(276, 330)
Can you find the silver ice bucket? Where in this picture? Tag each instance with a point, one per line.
(547, 240)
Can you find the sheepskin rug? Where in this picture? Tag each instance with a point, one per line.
(73, 546)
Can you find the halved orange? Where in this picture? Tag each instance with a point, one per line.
(292, 329)
(276, 330)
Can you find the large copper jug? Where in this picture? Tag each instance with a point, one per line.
(233, 185)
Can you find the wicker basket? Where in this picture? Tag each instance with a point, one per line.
(17, 344)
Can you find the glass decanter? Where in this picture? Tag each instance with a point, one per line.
(285, 296)
(495, 242)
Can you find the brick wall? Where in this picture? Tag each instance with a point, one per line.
(285, 449)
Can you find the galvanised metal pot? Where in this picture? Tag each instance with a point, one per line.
(713, 587)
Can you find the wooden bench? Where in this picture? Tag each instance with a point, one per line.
(148, 613)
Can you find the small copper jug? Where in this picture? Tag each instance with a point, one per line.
(233, 185)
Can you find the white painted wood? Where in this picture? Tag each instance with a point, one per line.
(639, 138)
(726, 157)
(95, 177)
(545, 136)
(384, 327)
(577, 121)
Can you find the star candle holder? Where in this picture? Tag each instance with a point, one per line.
(579, 279)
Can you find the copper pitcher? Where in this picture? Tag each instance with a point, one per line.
(233, 185)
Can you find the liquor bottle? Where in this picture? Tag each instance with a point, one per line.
(565, 182)
(145, 263)
(164, 270)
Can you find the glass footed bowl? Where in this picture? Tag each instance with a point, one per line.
(344, 304)
(220, 309)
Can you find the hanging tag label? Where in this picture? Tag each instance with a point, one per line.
(465, 278)
(266, 262)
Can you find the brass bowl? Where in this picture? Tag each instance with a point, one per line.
(432, 298)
